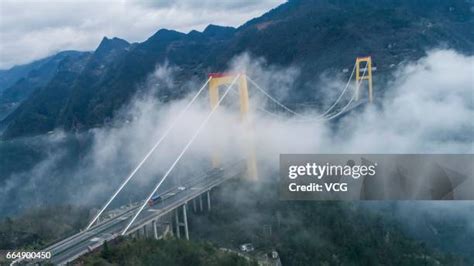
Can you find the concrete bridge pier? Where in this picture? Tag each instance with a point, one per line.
(155, 230)
(176, 216)
(184, 223)
(185, 217)
(200, 203)
(208, 200)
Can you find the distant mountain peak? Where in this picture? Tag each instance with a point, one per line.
(166, 34)
(114, 43)
(314, 35)
(108, 46)
(218, 31)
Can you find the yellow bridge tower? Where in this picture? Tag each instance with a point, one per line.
(219, 79)
(367, 68)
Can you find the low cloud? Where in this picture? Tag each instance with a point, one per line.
(426, 108)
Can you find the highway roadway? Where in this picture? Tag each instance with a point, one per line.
(83, 242)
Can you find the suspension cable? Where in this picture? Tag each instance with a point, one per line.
(150, 152)
(351, 100)
(271, 98)
(180, 155)
(340, 96)
(343, 109)
(326, 118)
(296, 113)
(260, 108)
(332, 116)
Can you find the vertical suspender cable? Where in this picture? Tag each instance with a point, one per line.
(271, 98)
(325, 118)
(296, 113)
(351, 100)
(343, 109)
(340, 96)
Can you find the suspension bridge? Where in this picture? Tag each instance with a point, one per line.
(170, 207)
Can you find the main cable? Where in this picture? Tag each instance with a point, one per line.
(351, 100)
(180, 155)
(327, 118)
(299, 114)
(150, 152)
(332, 116)
(271, 98)
(340, 96)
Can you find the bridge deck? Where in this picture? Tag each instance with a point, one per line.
(81, 243)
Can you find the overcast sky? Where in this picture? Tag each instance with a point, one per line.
(33, 29)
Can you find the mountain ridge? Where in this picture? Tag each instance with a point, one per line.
(315, 35)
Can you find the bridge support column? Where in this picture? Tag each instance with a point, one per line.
(184, 223)
(155, 230)
(185, 217)
(200, 203)
(178, 235)
(194, 205)
(145, 233)
(209, 200)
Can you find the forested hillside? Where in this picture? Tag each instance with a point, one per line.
(315, 36)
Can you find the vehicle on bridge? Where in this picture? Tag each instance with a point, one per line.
(154, 200)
